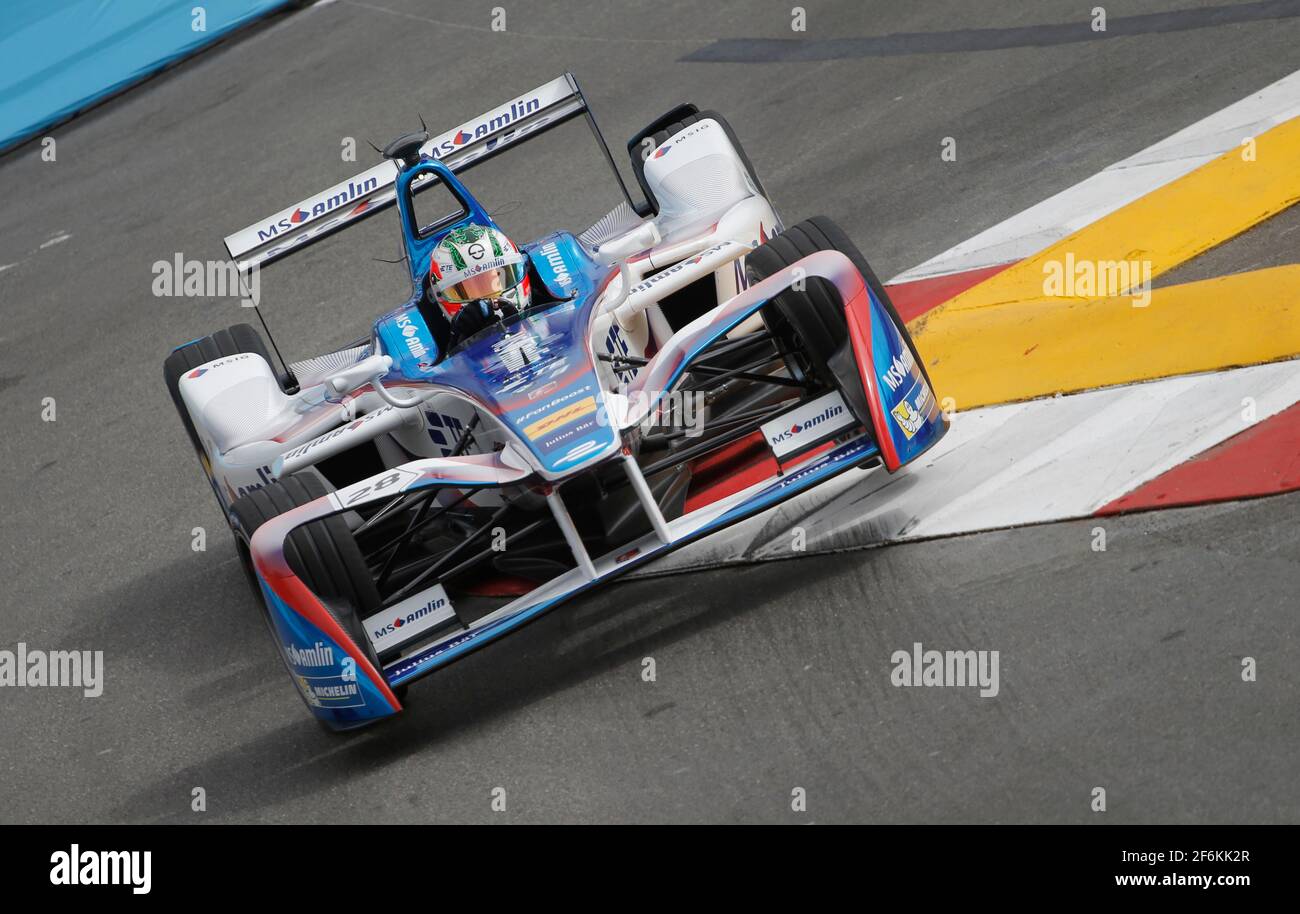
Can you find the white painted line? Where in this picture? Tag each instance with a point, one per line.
(58, 238)
(1006, 466)
(1031, 231)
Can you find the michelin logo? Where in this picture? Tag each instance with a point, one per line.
(333, 691)
(911, 417)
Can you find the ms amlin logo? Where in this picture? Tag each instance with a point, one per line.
(77, 867)
(829, 413)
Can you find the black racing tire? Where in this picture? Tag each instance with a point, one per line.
(323, 553)
(816, 315)
(236, 340)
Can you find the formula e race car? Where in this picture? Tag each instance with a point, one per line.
(682, 364)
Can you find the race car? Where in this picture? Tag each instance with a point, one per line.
(682, 364)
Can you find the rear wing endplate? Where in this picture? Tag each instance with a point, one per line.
(373, 190)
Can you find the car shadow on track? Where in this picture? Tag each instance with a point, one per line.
(611, 628)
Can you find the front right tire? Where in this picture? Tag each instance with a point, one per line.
(813, 320)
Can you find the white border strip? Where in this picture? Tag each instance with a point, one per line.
(1046, 460)
(1043, 224)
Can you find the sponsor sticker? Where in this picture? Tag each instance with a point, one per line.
(517, 351)
(542, 391)
(492, 126)
(560, 417)
(899, 370)
(556, 401)
(650, 281)
(213, 366)
(352, 426)
(411, 335)
(445, 430)
(911, 415)
(908, 419)
(550, 252)
(413, 616)
(582, 450)
(319, 654)
(332, 691)
(616, 346)
(808, 424)
(320, 205)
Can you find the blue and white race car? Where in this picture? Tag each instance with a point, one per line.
(481, 456)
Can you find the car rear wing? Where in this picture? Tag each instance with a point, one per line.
(365, 194)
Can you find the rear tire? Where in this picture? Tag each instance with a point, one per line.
(323, 553)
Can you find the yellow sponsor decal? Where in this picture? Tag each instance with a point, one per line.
(908, 419)
(562, 417)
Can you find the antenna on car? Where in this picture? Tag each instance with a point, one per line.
(405, 150)
(290, 379)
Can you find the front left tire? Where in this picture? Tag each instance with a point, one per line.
(322, 553)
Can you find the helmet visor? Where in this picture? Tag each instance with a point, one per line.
(488, 284)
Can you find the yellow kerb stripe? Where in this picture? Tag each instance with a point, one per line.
(1055, 323)
(1026, 350)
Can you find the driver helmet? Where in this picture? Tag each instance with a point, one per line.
(477, 263)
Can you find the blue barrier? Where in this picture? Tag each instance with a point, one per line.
(58, 57)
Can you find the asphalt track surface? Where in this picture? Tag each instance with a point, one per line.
(1118, 669)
